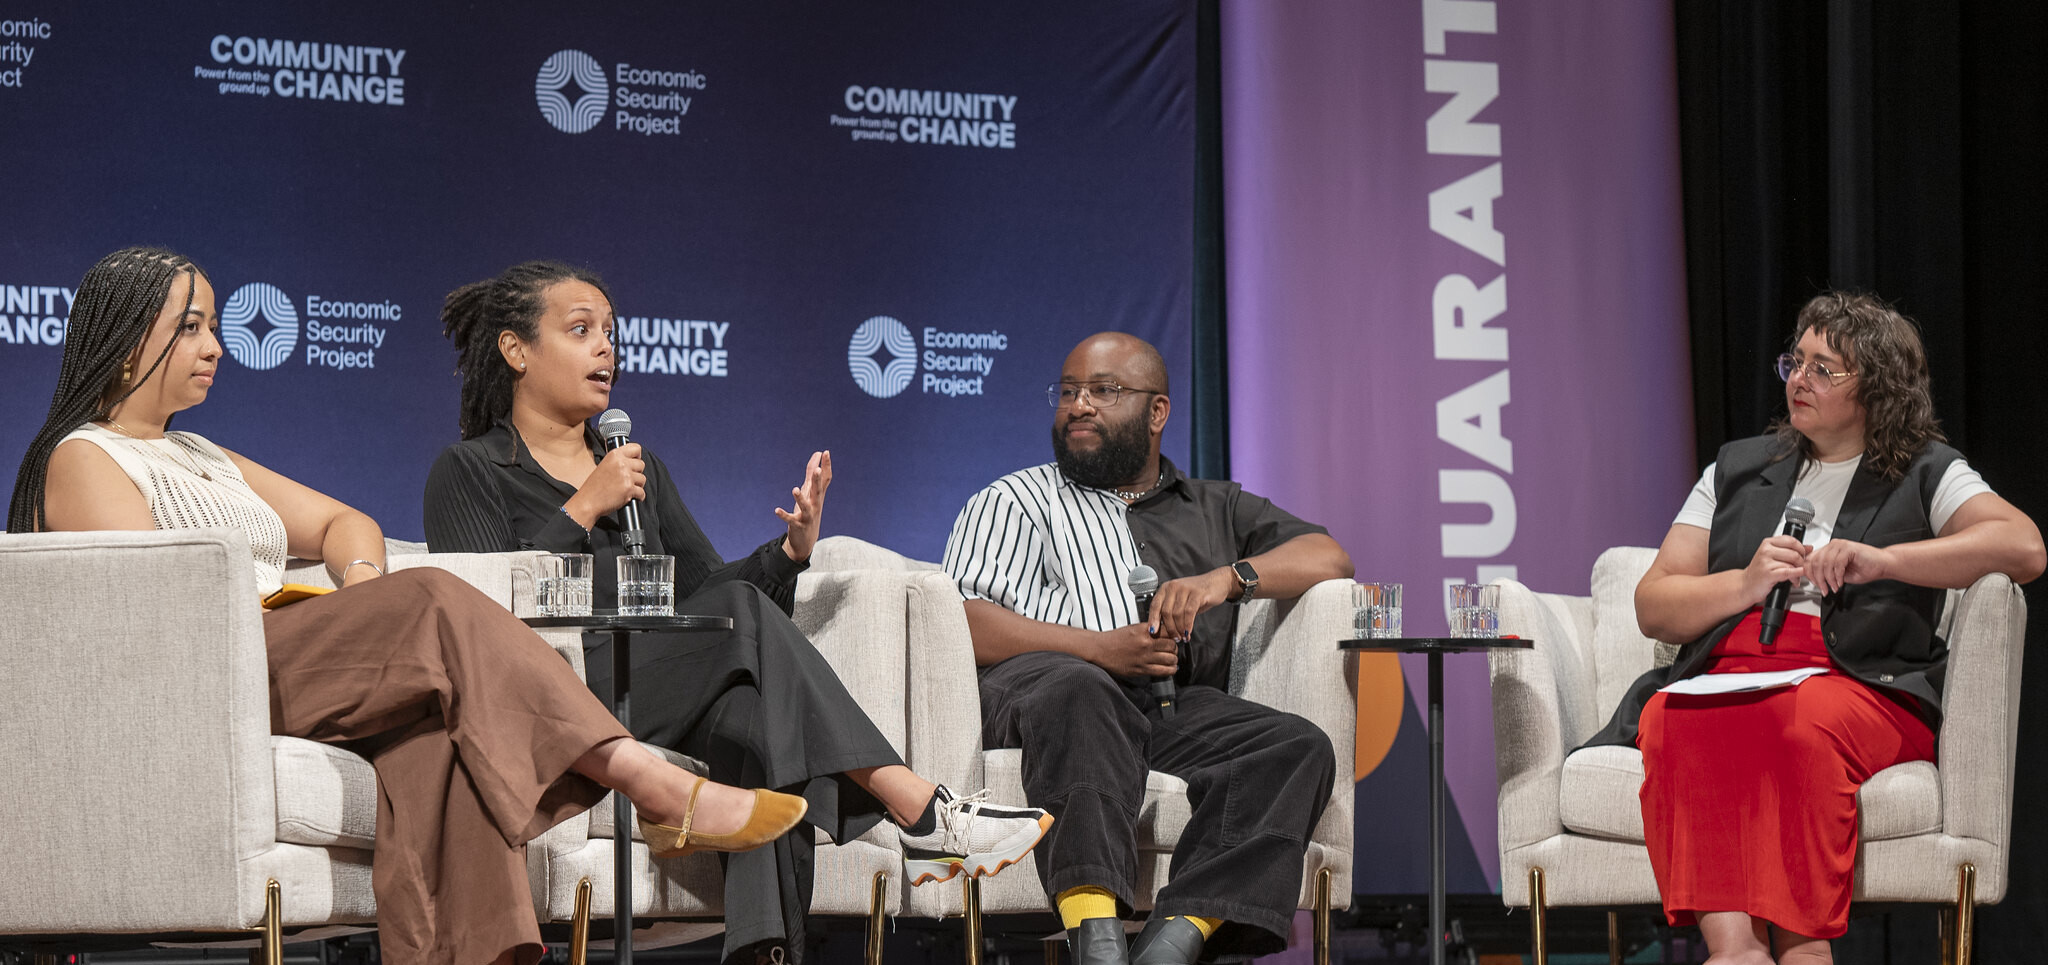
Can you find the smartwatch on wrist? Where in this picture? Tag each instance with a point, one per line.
(1247, 581)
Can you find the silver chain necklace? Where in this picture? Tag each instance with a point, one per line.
(1131, 497)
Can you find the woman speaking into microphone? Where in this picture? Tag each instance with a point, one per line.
(1749, 790)
(480, 735)
(535, 351)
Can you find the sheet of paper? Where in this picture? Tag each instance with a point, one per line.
(1735, 683)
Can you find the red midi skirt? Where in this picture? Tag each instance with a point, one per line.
(1749, 799)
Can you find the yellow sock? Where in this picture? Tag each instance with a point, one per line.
(1087, 901)
(1207, 925)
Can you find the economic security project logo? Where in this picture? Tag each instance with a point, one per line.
(328, 345)
(647, 101)
(885, 334)
(20, 38)
(884, 357)
(561, 68)
(246, 305)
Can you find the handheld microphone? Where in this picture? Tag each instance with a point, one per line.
(617, 427)
(1798, 513)
(1144, 582)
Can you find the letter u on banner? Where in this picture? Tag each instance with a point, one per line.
(1477, 540)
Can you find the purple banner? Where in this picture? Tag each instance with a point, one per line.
(1457, 317)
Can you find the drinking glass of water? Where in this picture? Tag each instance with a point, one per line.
(1474, 610)
(647, 586)
(1376, 611)
(563, 588)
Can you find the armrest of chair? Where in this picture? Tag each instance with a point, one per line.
(898, 640)
(1528, 717)
(1981, 700)
(138, 730)
(1286, 657)
(505, 577)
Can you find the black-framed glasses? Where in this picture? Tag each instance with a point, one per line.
(1818, 375)
(1101, 395)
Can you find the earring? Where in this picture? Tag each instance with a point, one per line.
(522, 366)
(127, 372)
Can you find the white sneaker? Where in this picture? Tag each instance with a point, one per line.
(971, 835)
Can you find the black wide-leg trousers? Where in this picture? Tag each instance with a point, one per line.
(760, 706)
(1258, 780)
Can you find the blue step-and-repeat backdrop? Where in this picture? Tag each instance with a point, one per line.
(873, 228)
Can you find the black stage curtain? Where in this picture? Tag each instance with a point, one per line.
(1894, 147)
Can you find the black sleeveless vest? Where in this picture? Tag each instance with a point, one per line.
(1880, 633)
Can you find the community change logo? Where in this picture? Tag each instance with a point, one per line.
(555, 75)
(884, 335)
(248, 303)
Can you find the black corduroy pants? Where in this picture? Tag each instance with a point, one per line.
(1258, 780)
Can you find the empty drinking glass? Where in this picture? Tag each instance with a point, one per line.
(1376, 611)
(1474, 610)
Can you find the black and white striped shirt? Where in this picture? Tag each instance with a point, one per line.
(1036, 543)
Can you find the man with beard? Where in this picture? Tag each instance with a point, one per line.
(1042, 556)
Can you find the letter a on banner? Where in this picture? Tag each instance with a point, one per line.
(1470, 420)
(1472, 193)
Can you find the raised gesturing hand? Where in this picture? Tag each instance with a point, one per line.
(808, 514)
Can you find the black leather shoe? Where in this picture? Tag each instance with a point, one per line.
(1164, 941)
(1099, 941)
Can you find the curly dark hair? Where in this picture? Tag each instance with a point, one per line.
(110, 318)
(1882, 346)
(474, 314)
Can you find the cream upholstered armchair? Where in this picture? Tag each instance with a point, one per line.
(1571, 826)
(862, 622)
(146, 795)
(1285, 656)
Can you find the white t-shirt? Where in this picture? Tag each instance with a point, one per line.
(1825, 484)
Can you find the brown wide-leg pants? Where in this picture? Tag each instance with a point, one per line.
(472, 723)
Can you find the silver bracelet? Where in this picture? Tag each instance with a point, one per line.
(572, 518)
(342, 574)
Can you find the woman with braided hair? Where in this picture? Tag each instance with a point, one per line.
(758, 704)
(483, 739)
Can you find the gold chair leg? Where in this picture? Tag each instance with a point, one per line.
(579, 925)
(1322, 926)
(1945, 933)
(273, 923)
(1051, 947)
(1613, 938)
(970, 893)
(878, 893)
(1538, 941)
(1966, 911)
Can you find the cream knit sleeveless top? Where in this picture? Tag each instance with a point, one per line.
(172, 471)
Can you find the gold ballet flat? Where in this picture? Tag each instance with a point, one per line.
(773, 815)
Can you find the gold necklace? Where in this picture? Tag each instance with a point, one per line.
(124, 430)
(190, 462)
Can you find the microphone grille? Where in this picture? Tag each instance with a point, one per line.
(1143, 580)
(1799, 510)
(615, 424)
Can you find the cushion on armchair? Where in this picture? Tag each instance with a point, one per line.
(1601, 791)
(326, 796)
